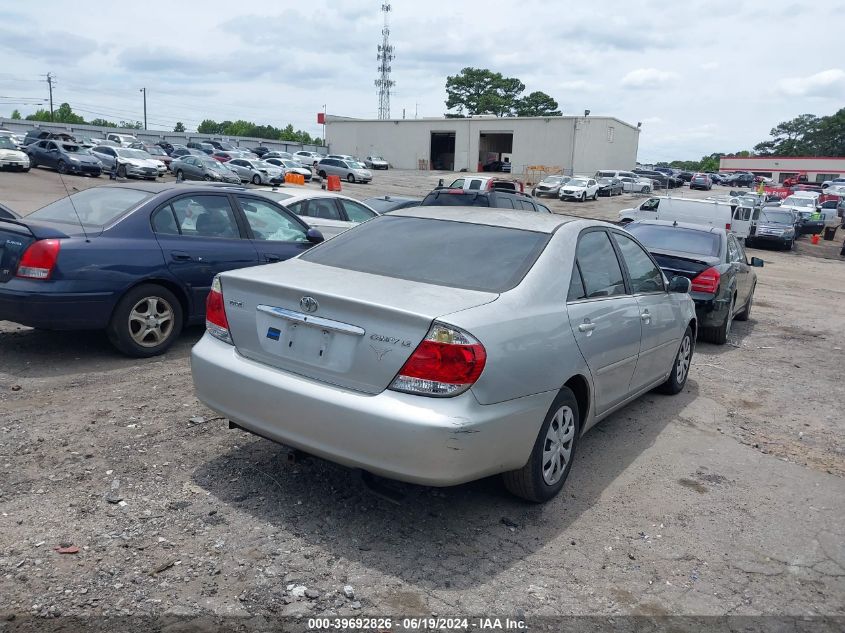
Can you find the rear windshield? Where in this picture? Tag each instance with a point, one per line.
(455, 199)
(439, 252)
(674, 238)
(95, 208)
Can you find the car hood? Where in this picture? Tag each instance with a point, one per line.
(12, 153)
(83, 158)
(575, 187)
(141, 162)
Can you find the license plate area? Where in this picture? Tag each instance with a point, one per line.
(298, 339)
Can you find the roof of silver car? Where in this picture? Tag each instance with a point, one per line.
(527, 220)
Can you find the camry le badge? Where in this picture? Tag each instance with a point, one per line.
(309, 304)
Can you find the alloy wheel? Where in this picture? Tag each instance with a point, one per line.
(151, 321)
(557, 447)
(684, 355)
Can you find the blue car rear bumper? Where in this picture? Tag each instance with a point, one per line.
(56, 310)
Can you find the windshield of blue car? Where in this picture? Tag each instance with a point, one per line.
(676, 238)
(74, 149)
(6, 143)
(777, 217)
(95, 208)
(469, 256)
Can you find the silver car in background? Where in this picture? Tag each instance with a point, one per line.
(346, 169)
(495, 356)
(550, 186)
(375, 162)
(128, 162)
(256, 171)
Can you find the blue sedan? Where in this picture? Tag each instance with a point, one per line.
(137, 260)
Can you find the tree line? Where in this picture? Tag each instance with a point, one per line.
(805, 135)
(65, 114)
(476, 91)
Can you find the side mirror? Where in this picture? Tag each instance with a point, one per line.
(314, 236)
(680, 284)
(757, 262)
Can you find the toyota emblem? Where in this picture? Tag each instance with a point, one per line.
(309, 304)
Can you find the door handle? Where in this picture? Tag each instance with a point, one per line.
(180, 256)
(645, 315)
(272, 258)
(587, 326)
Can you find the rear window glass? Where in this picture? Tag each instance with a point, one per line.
(446, 199)
(674, 238)
(439, 252)
(94, 208)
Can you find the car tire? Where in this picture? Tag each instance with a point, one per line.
(321, 174)
(680, 367)
(561, 426)
(33, 163)
(596, 195)
(207, 178)
(350, 178)
(61, 167)
(583, 197)
(180, 175)
(256, 179)
(125, 329)
(746, 311)
(25, 170)
(121, 171)
(719, 335)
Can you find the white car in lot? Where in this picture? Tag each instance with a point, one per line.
(10, 156)
(580, 189)
(307, 158)
(636, 185)
(328, 212)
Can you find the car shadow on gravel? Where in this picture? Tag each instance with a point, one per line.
(740, 331)
(435, 537)
(29, 353)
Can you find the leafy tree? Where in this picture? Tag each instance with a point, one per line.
(208, 126)
(481, 91)
(16, 114)
(103, 123)
(179, 127)
(537, 104)
(64, 114)
(792, 138)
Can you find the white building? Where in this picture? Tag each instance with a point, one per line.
(779, 168)
(571, 144)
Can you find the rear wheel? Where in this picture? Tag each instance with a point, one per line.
(121, 171)
(180, 175)
(550, 461)
(746, 311)
(350, 178)
(146, 321)
(207, 178)
(719, 334)
(256, 179)
(680, 369)
(596, 195)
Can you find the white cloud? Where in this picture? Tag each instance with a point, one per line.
(579, 85)
(827, 83)
(709, 65)
(647, 77)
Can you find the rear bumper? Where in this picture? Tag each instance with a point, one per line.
(709, 310)
(429, 441)
(55, 310)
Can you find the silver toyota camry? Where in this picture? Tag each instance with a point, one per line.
(442, 345)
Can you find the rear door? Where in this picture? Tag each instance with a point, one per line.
(659, 316)
(741, 221)
(276, 234)
(200, 236)
(605, 318)
(736, 258)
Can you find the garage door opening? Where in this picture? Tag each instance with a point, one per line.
(443, 150)
(494, 151)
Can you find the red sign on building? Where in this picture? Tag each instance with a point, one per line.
(321, 118)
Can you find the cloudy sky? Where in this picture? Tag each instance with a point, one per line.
(701, 76)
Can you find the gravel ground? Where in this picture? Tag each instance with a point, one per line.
(725, 499)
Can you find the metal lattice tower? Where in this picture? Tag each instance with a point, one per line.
(385, 55)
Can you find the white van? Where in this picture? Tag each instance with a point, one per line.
(708, 212)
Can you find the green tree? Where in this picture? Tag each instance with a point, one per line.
(792, 138)
(829, 137)
(537, 104)
(179, 127)
(102, 123)
(66, 115)
(208, 126)
(16, 114)
(481, 91)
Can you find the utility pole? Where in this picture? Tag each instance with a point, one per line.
(144, 90)
(50, 84)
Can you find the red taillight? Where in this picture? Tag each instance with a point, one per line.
(39, 260)
(728, 226)
(216, 322)
(706, 281)
(447, 362)
(454, 191)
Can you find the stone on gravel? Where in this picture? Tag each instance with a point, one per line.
(348, 591)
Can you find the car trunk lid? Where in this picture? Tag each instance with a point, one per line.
(688, 265)
(15, 237)
(347, 328)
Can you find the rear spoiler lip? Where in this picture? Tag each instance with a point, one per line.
(38, 231)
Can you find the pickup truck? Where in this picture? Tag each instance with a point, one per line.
(486, 183)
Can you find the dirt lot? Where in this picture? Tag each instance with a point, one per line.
(725, 499)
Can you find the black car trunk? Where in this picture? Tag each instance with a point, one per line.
(688, 265)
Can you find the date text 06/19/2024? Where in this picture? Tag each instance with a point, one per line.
(416, 624)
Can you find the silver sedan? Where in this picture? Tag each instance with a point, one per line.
(493, 357)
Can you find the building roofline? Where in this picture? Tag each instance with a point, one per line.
(782, 158)
(333, 118)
